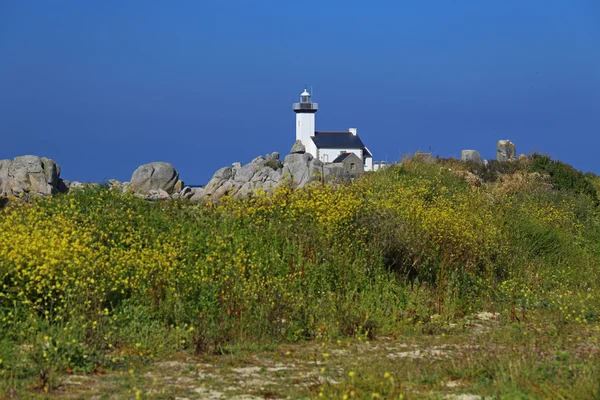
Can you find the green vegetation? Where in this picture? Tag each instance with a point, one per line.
(370, 289)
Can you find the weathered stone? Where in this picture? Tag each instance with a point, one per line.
(246, 173)
(506, 151)
(237, 165)
(198, 195)
(259, 161)
(29, 175)
(154, 176)
(298, 148)
(226, 188)
(178, 186)
(51, 171)
(4, 164)
(471, 156)
(297, 166)
(223, 173)
(427, 158)
(157, 194)
(186, 192)
(523, 157)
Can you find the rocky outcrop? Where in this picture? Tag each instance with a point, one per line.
(265, 173)
(506, 151)
(471, 156)
(238, 181)
(154, 176)
(30, 176)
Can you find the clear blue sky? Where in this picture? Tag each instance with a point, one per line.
(104, 86)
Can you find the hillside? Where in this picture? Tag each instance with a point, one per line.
(97, 282)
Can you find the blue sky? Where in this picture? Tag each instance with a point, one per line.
(105, 86)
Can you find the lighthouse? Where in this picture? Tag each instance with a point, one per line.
(305, 121)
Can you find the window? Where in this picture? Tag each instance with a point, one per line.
(352, 166)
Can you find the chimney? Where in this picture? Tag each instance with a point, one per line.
(352, 131)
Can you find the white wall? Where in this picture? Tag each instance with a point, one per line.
(369, 164)
(305, 128)
(328, 155)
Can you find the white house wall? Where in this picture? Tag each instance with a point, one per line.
(328, 155)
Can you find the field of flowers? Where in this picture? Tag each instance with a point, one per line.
(94, 279)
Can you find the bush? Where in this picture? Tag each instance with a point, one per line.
(563, 176)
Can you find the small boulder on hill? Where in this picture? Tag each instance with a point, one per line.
(471, 155)
(154, 176)
(506, 151)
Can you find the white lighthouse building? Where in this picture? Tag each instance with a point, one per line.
(305, 122)
(327, 146)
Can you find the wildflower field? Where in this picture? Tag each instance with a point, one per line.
(412, 282)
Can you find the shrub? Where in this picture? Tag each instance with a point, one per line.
(563, 176)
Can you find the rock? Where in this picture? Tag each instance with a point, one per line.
(154, 176)
(225, 188)
(298, 148)
(523, 157)
(76, 185)
(297, 166)
(29, 175)
(178, 186)
(3, 175)
(186, 192)
(315, 170)
(246, 173)
(506, 151)
(157, 194)
(471, 156)
(51, 171)
(224, 173)
(259, 161)
(427, 158)
(63, 186)
(236, 165)
(198, 195)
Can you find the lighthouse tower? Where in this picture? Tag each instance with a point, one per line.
(305, 122)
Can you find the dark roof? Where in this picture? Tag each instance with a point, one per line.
(341, 157)
(337, 140)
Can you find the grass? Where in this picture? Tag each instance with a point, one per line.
(424, 280)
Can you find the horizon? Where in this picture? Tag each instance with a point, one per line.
(102, 88)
